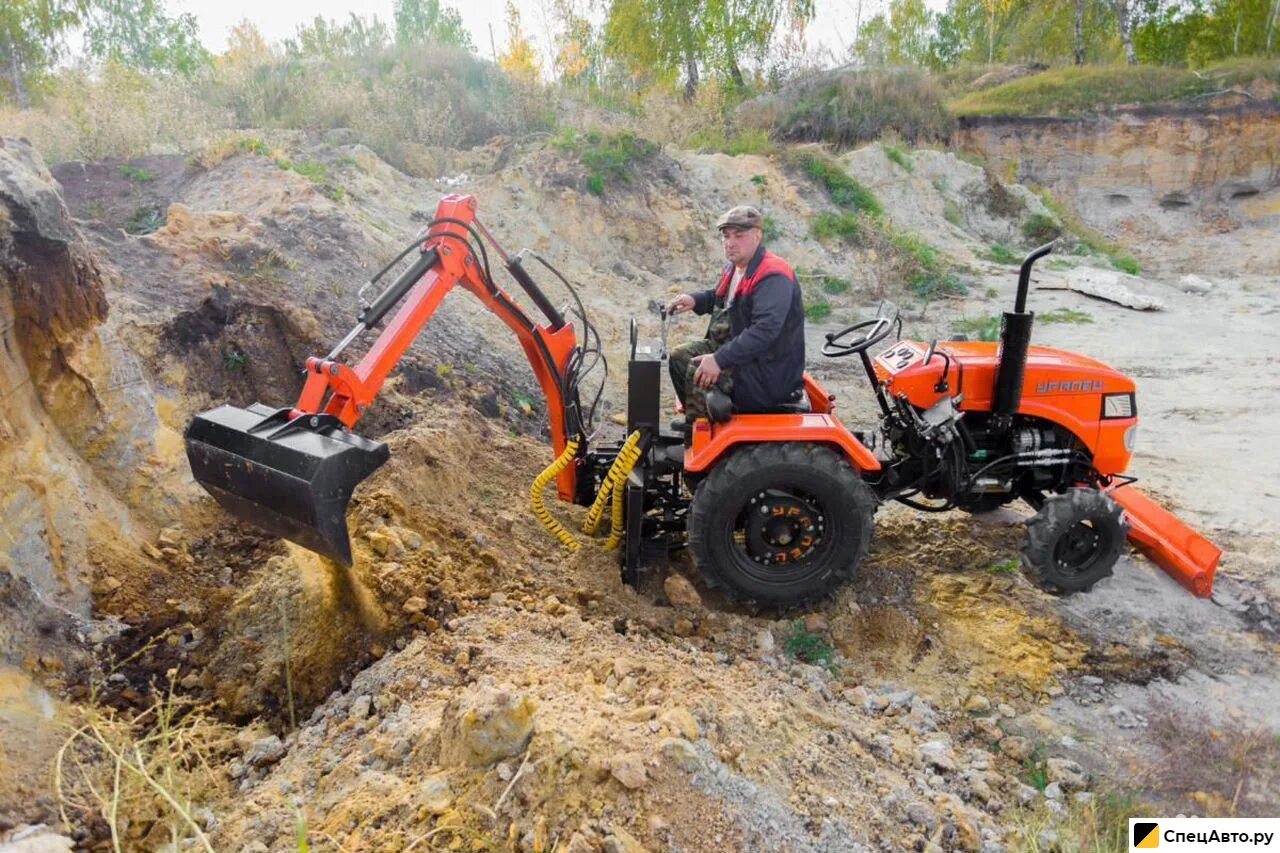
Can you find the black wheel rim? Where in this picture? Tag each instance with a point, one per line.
(1080, 547)
(781, 534)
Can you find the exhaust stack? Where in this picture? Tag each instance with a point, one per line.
(1015, 340)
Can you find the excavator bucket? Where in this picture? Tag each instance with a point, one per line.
(291, 477)
(1181, 552)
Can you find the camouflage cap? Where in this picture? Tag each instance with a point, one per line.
(742, 216)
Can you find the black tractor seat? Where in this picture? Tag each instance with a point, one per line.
(720, 406)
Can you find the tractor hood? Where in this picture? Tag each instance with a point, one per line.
(972, 372)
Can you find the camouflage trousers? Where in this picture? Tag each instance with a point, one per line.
(682, 367)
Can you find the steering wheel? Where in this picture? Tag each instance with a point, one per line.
(876, 330)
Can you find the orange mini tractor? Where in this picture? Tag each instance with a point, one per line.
(777, 507)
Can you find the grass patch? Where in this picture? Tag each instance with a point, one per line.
(607, 157)
(844, 191)
(899, 158)
(806, 646)
(318, 174)
(1088, 240)
(751, 140)
(1098, 826)
(836, 226)
(1008, 567)
(1002, 255)
(952, 212)
(769, 230)
(927, 274)
(1040, 228)
(1064, 315)
(1073, 90)
(234, 360)
(978, 328)
(137, 174)
(834, 285)
(817, 311)
(846, 108)
(144, 220)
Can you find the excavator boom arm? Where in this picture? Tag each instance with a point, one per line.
(292, 471)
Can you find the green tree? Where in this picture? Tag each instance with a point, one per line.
(665, 37)
(427, 22)
(331, 40)
(138, 34)
(31, 40)
(519, 58)
(905, 36)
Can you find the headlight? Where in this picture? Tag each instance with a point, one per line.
(1131, 438)
(1118, 406)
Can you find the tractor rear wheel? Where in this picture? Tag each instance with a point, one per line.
(1074, 540)
(780, 524)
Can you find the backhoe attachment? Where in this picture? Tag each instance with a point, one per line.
(292, 471)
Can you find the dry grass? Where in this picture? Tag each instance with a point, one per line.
(140, 778)
(847, 108)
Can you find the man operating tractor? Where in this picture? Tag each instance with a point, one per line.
(753, 351)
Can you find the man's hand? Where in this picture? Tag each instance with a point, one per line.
(681, 304)
(708, 372)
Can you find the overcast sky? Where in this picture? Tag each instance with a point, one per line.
(832, 28)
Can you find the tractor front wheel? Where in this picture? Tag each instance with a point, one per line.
(780, 525)
(1074, 540)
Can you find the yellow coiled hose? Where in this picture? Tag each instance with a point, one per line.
(628, 450)
(613, 488)
(555, 528)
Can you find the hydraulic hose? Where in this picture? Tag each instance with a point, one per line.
(555, 528)
(628, 456)
(598, 506)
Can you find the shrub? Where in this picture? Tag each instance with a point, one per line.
(899, 157)
(817, 311)
(1003, 255)
(843, 189)
(606, 156)
(804, 645)
(845, 108)
(1041, 228)
(830, 226)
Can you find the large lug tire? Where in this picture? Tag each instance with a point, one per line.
(1074, 540)
(780, 525)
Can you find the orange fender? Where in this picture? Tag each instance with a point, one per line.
(1170, 543)
(710, 443)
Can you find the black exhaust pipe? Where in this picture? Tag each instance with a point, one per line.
(1015, 340)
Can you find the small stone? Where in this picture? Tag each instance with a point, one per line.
(360, 707)
(876, 704)
(679, 752)
(437, 796)
(938, 754)
(1083, 797)
(620, 841)
(1006, 711)
(1047, 839)
(922, 816)
(682, 627)
(681, 722)
(977, 703)
(764, 641)
(1053, 791)
(1016, 747)
(815, 624)
(504, 771)
(486, 723)
(628, 769)
(152, 551)
(643, 713)
(578, 843)
(1067, 772)
(414, 604)
(681, 593)
(265, 751)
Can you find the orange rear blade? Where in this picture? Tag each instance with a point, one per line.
(1171, 544)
